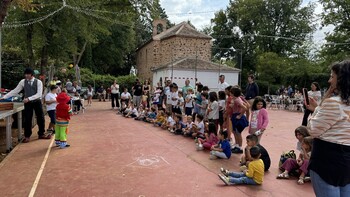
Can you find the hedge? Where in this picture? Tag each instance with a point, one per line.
(88, 78)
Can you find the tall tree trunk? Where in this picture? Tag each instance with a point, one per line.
(29, 44)
(3, 9)
(78, 55)
(44, 59)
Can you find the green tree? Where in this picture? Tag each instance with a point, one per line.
(336, 13)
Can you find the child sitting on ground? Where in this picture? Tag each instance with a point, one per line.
(151, 115)
(210, 138)
(169, 125)
(160, 120)
(128, 109)
(252, 141)
(63, 113)
(133, 113)
(222, 149)
(187, 131)
(259, 117)
(300, 164)
(179, 125)
(142, 113)
(253, 176)
(198, 129)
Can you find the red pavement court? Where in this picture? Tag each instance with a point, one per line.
(114, 156)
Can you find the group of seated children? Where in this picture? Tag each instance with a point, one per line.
(204, 128)
(299, 166)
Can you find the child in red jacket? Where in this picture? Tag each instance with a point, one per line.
(63, 113)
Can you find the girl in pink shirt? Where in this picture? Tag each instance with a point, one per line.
(259, 119)
(210, 138)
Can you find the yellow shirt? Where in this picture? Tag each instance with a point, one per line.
(161, 119)
(256, 171)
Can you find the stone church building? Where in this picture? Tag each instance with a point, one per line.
(180, 42)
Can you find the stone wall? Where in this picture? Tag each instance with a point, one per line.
(163, 52)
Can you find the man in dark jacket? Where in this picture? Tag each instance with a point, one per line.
(252, 90)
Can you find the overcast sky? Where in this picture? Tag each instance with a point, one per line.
(199, 12)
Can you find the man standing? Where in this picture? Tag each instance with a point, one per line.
(33, 90)
(222, 84)
(186, 87)
(252, 90)
(137, 89)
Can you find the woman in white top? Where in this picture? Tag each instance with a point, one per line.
(90, 93)
(125, 96)
(115, 94)
(314, 93)
(330, 126)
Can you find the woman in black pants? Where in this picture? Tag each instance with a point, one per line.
(115, 94)
(315, 93)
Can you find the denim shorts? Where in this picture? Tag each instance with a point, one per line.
(52, 115)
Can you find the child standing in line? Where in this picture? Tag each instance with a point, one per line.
(259, 117)
(63, 113)
(156, 98)
(181, 102)
(90, 93)
(189, 102)
(51, 103)
(175, 100)
(144, 99)
(213, 109)
(198, 129)
(253, 176)
(239, 120)
(222, 103)
(252, 140)
(227, 114)
(302, 163)
(222, 149)
(203, 107)
(210, 138)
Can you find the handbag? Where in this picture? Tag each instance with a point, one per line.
(286, 155)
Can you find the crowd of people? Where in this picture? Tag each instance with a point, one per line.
(216, 120)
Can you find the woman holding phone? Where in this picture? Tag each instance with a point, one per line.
(330, 127)
(314, 93)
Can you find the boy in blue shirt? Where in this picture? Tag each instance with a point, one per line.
(222, 149)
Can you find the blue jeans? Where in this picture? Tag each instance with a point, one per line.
(240, 178)
(218, 154)
(323, 189)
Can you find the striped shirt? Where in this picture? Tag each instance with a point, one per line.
(331, 122)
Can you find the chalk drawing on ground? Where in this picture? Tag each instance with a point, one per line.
(149, 161)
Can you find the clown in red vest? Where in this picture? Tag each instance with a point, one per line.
(63, 113)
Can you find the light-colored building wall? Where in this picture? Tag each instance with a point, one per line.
(208, 78)
(163, 52)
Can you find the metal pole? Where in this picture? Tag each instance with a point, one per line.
(172, 64)
(0, 59)
(240, 67)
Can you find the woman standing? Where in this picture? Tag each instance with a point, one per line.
(330, 125)
(314, 93)
(146, 89)
(90, 93)
(115, 94)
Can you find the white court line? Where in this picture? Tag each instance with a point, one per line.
(40, 172)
